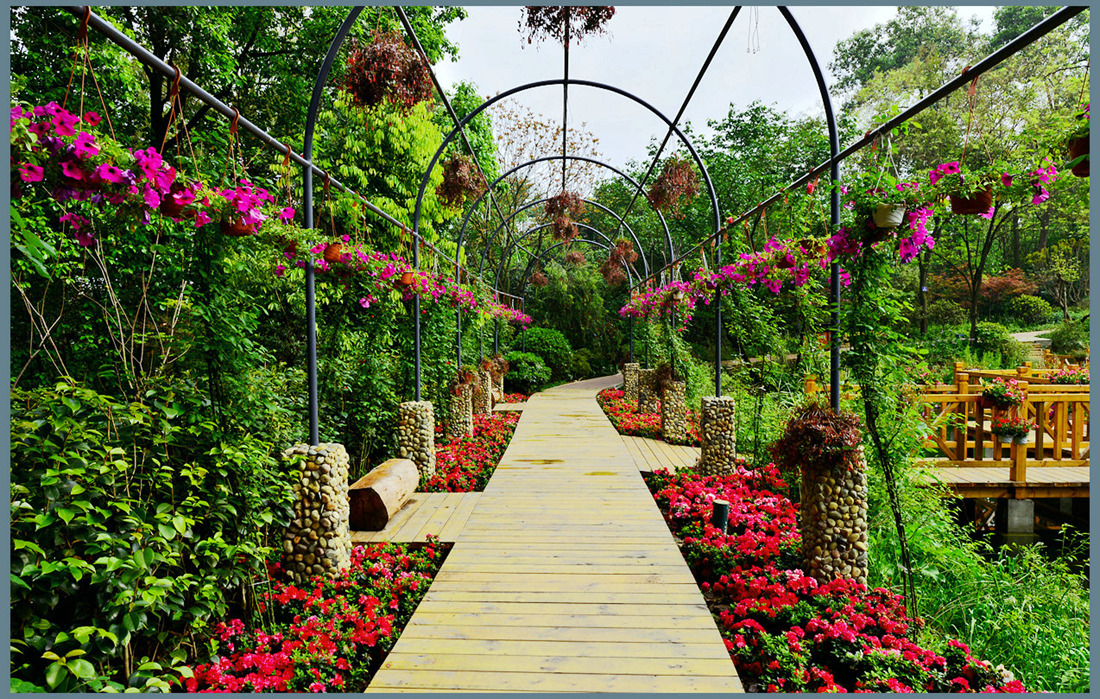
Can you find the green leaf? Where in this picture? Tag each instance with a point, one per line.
(65, 514)
(55, 673)
(82, 669)
(166, 531)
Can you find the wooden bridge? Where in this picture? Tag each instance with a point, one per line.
(972, 462)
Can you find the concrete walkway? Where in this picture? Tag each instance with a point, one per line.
(564, 578)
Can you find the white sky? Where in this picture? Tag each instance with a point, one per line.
(655, 53)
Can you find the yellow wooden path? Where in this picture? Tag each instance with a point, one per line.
(653, 454)
(440, 514)
(564, 578)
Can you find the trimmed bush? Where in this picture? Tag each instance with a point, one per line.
(1069, 338)
(991, 337)
(1030, 310)
(554, 349)
(528, 373)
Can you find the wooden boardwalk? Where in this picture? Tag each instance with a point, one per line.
(564, 578)
(441, 514)
(653, 454)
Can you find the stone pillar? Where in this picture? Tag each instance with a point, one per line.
(648, 398)
(482, 400)
(630, 381)
(718, 436)
(1014, 522)
(833, 518)
(317, 540)
(499, 388)
(460, 420)
(416, 435)
(674, 423)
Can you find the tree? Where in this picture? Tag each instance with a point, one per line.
(1063, 270)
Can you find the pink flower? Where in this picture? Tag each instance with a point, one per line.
(92, 119)
(280, 270)
(63, 123)
(1006, 179)
(109, 173)
(72, 170)
(287, 214)
(31, 173)
(85, 145)
(201, 219)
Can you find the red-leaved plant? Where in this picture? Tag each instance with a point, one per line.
(542, 22)
(386, 68)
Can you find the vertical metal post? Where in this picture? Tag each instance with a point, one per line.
(307, 205)
(632, 339)
(496, 337)
(416, 316)
(523, 338)
(458, 344)
(718, 323)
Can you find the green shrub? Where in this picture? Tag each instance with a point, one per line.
(527, 372)
(1030, 310)
(991, 337)
(946, 312)
(1069, 338)
(132, 527)
(554, 349)
(582, 363)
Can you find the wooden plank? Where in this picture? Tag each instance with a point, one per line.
(679, 577)
(411, 526)
(441, 680)
(646, 667)
(450, 531)
(440, 594)
(561, 616)
(443, 506)
(534, 645)
(551, 632)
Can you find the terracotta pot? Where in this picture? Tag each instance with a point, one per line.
(235, 229)
(406, 279)
(291, 247)
(889, 215)
(976, 203)
(170, 207)
(1077, 148)
(332, 252)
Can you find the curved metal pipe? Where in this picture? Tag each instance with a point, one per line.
(834, 174)
(528, 233)
(535, 161)
(492, 237)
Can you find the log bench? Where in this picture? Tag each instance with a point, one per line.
(375, 497)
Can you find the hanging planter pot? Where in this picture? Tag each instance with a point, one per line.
(1005, 438)
(889, 215)
(405, 280)
(976, 203)
(235, 228)
(173, 209)
(1080, 147)
(332, 252)
(677, 295)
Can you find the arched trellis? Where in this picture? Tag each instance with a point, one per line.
(535, 161)
(617, 217)
(565, 82)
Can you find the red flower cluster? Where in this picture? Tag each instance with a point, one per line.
(465, 464)
(624, 415)
(329, 635)
(513, 398)
(784, 630)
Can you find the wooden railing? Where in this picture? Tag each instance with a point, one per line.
(958, 417)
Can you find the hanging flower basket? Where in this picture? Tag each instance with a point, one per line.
(387, 68)
(461, 180)
(889, 215)
(977, 203)
(547, 21)
(675, 186)
(332, 252)
(405, 280)
(235, 228)
(1080, 147)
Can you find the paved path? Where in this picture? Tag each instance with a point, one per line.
(564, 577)
(1034, 337)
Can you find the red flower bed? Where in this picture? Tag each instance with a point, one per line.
(329, 635)
(465, 464)
(627, 420)
(513, 398)
(784, 631)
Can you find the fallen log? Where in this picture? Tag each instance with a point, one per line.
(375, 497)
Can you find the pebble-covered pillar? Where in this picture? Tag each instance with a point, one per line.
(648, 398)
(482, 400)
(833, 517)
(460, 419)
(674, 424)
(416, 435)
(499, 385)
(630, 381)
(718, 436)
(317, 540)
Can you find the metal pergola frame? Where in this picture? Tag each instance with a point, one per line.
(1043, 27)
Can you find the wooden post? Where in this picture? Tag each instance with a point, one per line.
(1017, 471)
(958, 370)
(810, 385)
(1040, 429)
(962, 386)
(1078, 429)
(1059, 428)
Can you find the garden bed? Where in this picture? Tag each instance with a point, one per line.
(784, 631)
(464, 465)
(327, 635)
(624, 415)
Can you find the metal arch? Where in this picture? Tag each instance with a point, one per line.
(485, 252)
(544, 253)
(307, 206)
(535, 161)
(528, 233)
(834, 174)
(546, 83)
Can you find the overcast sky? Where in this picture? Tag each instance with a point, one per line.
(655, 53)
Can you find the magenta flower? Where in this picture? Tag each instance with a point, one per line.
(1041, 196)
(63, 123)
(75, 220)
(1006, 179)
(92, 118)
(201, 219)
(151, 197)
(280, 270)
(31, 173)
(85, 145)
(72, 170)
(109, 173)
(287, 214)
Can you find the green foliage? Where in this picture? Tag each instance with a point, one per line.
(528, 373)
(554, 349)
(991, 337)
(1069, 338)
(946, 312)
(1030, 310)
(132, 527)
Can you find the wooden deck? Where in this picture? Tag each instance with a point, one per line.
(509, 407)
(653, 454)
(441, 514)
(564, 578)
(993, 481)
